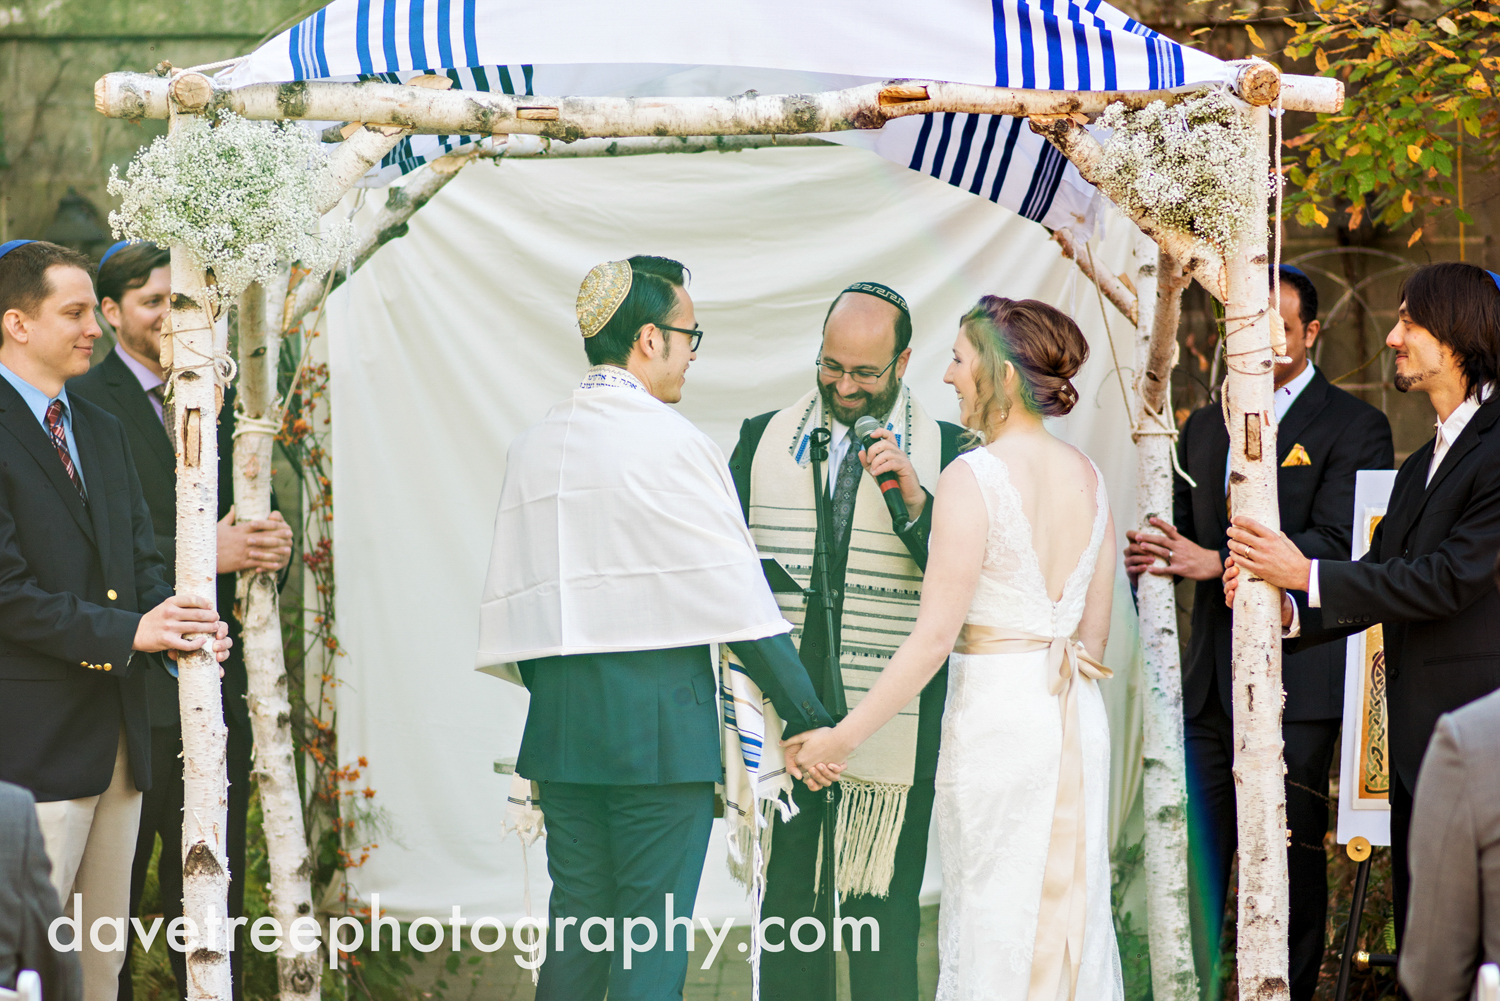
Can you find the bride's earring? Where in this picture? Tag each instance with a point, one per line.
(1006, 401)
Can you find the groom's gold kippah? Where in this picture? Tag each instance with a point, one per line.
(603, 291)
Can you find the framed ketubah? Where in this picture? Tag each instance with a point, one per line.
(1364, 760)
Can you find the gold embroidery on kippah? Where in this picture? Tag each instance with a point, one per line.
(603, 291)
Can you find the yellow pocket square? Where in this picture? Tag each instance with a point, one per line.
(1297, 457)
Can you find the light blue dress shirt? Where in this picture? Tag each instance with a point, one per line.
(39, 401)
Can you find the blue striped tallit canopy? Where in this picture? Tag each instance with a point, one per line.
(705, 47)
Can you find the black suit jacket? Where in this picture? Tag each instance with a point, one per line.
(1428, 577)
(74, 580)
(814, 642)
(112, 386)
(1341, 435)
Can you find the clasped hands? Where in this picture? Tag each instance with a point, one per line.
(1268, 555)
(817, 757)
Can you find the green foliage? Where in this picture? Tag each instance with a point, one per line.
(1415, 89)
(1135, 952)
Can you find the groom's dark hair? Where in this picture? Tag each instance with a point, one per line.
(652, 299)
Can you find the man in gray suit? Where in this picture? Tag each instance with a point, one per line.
(28, 903)
(1453, 924)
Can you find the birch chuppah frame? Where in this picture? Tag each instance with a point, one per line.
(413, 83)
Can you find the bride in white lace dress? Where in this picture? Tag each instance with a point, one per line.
(1018, 586)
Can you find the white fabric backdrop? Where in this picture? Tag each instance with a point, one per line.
(455, 337)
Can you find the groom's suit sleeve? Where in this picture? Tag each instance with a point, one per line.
(777, 671)
(773, 663)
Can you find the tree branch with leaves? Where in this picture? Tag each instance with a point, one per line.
(1417, 89)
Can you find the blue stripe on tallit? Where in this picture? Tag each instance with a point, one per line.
(1080, 34)
(942, 148)
(1044, 182)
(293, 50)
(1002, 45)
(320, 41)
(388, 37)
(919, 152)
(445, 36)
(966, 141)
(414, 39)
(984, 154)
(471, 38)
(1010, 149)
(1028, 47)
(1106, 44)
(1054, 52)
(362, 37)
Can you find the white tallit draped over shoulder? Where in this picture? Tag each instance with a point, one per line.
(619, 529)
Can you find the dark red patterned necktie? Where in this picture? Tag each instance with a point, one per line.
(60, 442)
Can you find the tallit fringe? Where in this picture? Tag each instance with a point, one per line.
(749, 840)
(869, 828)
(749, 848)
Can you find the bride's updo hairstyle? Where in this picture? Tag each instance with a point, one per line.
(1042, 342)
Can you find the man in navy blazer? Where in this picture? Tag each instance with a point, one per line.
(83, 593)
(1427, 577)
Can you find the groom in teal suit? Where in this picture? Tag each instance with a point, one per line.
(621, 560)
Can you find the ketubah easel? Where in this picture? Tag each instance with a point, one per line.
(1360, 851)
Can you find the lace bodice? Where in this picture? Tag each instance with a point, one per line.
(1012, 591)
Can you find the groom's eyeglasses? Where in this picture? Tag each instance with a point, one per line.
(694, 336)
(833, 372)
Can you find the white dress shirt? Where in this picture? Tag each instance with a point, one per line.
(148, 379)
(1447, 433)
(837, 449)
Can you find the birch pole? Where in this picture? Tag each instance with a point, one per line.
(195, 408)
(298, 972)
(1260, 790)
(422, 109)
(1159, 283)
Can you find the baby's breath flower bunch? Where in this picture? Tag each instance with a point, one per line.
(1192, 165)
(237, 194)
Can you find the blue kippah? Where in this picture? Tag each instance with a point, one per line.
(1493, 277)
(7, 247)
(111, 251)
(1295, 271)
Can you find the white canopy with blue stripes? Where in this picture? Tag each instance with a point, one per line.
(712, 47)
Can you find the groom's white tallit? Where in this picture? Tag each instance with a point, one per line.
(618, 529)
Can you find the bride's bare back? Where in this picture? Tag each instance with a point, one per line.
(1057, 487)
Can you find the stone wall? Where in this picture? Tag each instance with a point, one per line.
(52, 51)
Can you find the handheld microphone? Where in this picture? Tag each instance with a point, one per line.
(890, 484)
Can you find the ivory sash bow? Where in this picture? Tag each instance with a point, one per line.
(1060, 922)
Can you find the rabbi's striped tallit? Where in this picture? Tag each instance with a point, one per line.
(882, 587)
